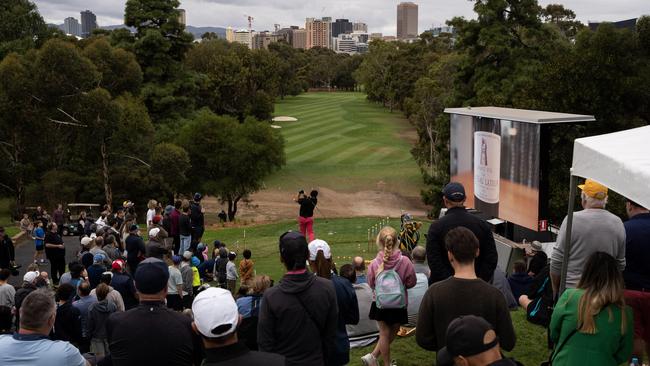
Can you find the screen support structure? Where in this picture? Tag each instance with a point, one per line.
(567, 233)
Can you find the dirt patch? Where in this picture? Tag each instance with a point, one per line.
(273, 205)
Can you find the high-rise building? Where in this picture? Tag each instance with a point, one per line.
(88, 23)
(262, 40)
(71, 26)
(244, 37)
(360, 27)
(182, 16)
(319, 32)
(344, 43)
(230, 35)
(299, 38)
(341, 26)
(286, 34)
(407, 20)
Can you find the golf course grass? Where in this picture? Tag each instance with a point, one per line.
(348, 238)
(346, 143)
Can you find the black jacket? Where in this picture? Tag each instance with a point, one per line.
(7, 253)
(67, 326)
(298, 319)
(21, 294)
(152, 334)
(437, 252)
(346, 299)
(237, 354)
(135, 250)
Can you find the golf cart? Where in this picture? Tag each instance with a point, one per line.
(73, 210)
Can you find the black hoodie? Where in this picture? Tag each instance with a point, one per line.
(298, 319)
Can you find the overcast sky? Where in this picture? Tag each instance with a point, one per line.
(378, 14)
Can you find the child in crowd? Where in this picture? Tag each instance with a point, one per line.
(231, 272)
(98, 314)
(246, 267)
(519, 280)
(39, 242)
(196, 282)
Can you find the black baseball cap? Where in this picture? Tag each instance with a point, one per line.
(151, 276)
(293, 245)
(465, 338)
(454, 191)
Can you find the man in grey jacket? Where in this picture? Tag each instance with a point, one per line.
(594, 230)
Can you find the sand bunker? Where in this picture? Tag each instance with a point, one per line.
(284, 119)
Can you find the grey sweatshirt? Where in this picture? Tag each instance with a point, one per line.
(594, 230)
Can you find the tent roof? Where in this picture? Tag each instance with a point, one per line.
(619, 160)
(520, 115)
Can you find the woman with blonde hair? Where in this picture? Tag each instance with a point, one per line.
(151, 212)
(389, 275)
(591, 324)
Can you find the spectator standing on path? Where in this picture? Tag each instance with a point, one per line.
(113, 296)
(457, 215)
(39, 242)
(169, 337)
(96, 270)
(26, 225)
(135, 248)
(98, 314)
(55, 252)
(247, 267)
(360, 270)
(472, 341)
(389, 319)
(58, 217)
(298, 316)
(30, 345)
(67, 326)
(637, 274)
(462, 294)
(216, 320)
(320, 262)
(197, 214)
(185, 228)
(175, 285)
(122, 282)
(594, 230)
(591, 324)
(151, 212)
(83, 304)
(7, 252)
(306, 213)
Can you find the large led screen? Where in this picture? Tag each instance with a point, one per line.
(498, 162)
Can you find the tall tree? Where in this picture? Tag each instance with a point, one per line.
(230, 159)
(22, 27)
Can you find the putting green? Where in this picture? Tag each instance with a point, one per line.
(346, 143)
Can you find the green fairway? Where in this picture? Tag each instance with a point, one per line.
(342, 141)
(347, 238)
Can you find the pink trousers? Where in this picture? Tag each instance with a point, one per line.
(307, 227)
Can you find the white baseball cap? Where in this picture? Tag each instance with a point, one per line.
(154, 232)
(318, 245)
(85, 241)
(215, 312)
(29, 277)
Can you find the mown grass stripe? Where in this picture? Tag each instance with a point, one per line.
(326, 130)
(345, 154)
(319, 138)
(376, 157)
(319, 150)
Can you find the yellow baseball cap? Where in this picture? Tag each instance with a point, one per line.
(594, 189)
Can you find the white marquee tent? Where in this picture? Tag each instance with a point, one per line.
(620, 161)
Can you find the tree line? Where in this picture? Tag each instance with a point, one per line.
(149, 114)
(515, 54)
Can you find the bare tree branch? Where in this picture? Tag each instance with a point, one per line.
(67, 123)
(136, 159)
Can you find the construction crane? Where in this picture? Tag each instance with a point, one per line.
(250, 30)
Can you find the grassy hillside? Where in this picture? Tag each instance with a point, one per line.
(348, 238)
(342, 141)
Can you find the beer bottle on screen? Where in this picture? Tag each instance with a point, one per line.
(487, 165)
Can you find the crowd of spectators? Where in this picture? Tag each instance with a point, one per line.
(172, 301)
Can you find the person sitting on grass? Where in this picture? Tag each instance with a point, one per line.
(538, 300)
(216, 320)
(519, 280)
(462, 294)
(246, 267)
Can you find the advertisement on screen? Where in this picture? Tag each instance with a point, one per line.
(498, 162)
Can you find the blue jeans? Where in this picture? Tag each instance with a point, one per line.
(185, 244)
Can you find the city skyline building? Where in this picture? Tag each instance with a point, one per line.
(360, 27)
(244, 37)
(299, 39)
(319, 32)
(182, 16)
(88, 23)
(71, 26)
(407, 20)
(341, 26)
